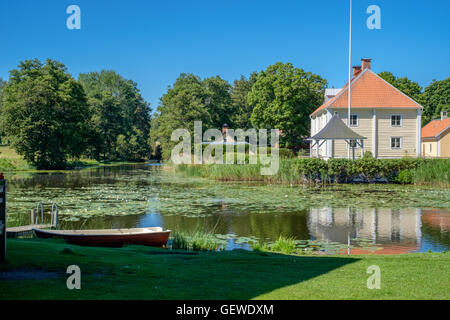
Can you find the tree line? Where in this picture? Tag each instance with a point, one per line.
(49, 117)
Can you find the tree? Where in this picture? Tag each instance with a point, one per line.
(411, 88)
(2, 84)
(119, 115)
(183, 103)
(218, 101)
(283, 97)
(44, 113)
(435, 98)
(242, 109)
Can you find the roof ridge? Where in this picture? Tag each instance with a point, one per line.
(397, 90)
(343, 89)
(352, 82)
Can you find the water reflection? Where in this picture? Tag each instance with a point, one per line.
(398, 231)
(146, 196)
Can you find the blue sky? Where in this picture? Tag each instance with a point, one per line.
(152, 42)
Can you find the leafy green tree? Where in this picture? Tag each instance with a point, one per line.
(411, 88)
(2, 84)
(183, 103)
(44, 113)
(218, 101)
(283, 97)
(435, 98)
(242, 110)
(134, 147)
(119, 114)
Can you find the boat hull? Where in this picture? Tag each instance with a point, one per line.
(109, 238)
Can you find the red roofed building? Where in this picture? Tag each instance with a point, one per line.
(436, 137)
(389, 119)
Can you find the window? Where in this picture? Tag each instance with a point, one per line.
(396, 142)
(396, 120)
(353, 120)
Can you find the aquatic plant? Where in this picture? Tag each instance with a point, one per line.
(435, 171)
(314, 170)
(284, 244)
(196, 241)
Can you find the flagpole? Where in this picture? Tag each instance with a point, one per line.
(349, 71)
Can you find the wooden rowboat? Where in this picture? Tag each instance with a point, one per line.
(155, 237)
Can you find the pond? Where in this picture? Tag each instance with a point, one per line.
(373, 218)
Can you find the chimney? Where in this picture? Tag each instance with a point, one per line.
(366, 63)
(444, 115)
(356, 70)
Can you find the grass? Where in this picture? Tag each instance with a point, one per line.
(287, 172)
(137, 272)
(433, 170)
(285, 245)
(10, 161)
(195, 241)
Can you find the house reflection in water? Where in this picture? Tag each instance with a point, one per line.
(396, 230)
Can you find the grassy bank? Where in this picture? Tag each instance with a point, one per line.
(36, 269)
(10, 161)
(435, 172)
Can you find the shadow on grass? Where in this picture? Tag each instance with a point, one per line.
(137, 272)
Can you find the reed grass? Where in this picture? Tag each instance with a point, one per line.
(434, 171)
(285, 245)
(287, 172)
(197, 240)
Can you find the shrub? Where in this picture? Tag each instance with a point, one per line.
(312, 168)
(405, 176)
(340, 170)
(286, 153)
(367, 155)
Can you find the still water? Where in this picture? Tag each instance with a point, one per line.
(374, 218)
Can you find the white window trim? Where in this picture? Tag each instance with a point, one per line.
(401, 120)
(357, 120)
(401, 143)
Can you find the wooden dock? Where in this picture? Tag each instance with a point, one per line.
(25, 230)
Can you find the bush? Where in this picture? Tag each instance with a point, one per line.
(286, 153)
(405, 176)
(340, 170)
(367, 155)
(312, 168)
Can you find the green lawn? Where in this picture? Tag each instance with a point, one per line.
(137, 272)
(10, 161)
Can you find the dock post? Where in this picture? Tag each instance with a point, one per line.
(2, 219)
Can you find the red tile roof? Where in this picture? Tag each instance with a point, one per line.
(435, 127)
(370, 91)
